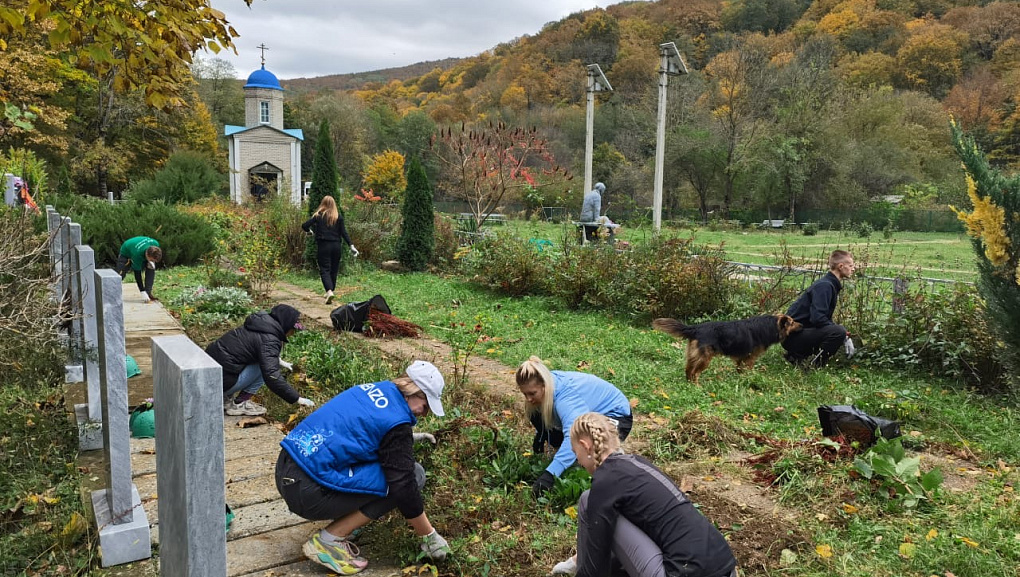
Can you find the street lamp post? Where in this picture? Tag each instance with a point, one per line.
(672, 64)
(597, 82)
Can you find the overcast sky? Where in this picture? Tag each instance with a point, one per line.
(309, 38)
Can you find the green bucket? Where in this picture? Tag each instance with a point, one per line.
(132, 366)
(143, 422)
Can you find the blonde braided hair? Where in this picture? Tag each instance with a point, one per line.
(602, 433)
(534, 370)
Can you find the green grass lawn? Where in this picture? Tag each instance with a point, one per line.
(772, 406)
(925, 254)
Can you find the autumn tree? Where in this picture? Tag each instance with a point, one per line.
(931, 59)
(417, 232)
(148, 44)
(488, 166)
(220, 90)
(385, 175)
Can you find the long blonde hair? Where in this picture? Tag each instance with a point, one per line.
(328, 210)
(534, 370)
(605, 439)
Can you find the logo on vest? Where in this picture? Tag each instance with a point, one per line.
(375, 395)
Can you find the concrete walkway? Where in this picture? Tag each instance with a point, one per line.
(265, 538)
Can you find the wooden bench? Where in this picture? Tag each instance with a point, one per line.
(771, 224)
(494, 218)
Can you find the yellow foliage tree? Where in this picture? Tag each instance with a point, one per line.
(385, 175)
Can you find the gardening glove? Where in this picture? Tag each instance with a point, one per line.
(285, 365)
(538, 443)
(150, 264)
(435, 546)
(354, 251)
(305, 402)
(543, 483)
(568, 567)
(848, 344)
(419, 437)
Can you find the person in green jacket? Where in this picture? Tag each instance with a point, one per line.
(141, 253)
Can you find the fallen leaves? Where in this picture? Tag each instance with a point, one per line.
(252, 422)
(823, 551)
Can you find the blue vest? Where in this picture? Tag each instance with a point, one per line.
(338, 444)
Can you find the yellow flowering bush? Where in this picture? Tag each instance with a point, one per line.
(994, 224)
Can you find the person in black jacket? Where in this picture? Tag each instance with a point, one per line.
(250, 357)
(328, 227)
(635, 517)
(819, 338)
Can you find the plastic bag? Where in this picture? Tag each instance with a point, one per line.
(855, 424)
(352, 316)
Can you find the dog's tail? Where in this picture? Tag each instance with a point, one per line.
(673, 327)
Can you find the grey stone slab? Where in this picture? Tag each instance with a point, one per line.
(251, 491)
(256, 456)
(268, 550)
(309, 569)
(189, 458)
(64, 281)
(74, 373)
(113, 389)
(90, 433)
(71, 274)
(121, 542)
(53, 229)
(89, 330)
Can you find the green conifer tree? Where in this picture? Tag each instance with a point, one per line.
(417, 235)
(994, 225)
(324, 183)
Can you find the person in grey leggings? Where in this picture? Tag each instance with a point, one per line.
(635, 517)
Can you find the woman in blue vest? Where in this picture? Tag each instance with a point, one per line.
(352, 461)
(553, 400)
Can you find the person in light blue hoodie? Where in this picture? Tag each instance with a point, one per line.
(554, 399)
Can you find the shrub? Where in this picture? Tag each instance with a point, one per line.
(446, 243)
(417, 233)
(864, 229)
(593, 277)
(187, 177)
(509, 264)
(996, 232)
(674, 278)
(184, 237)
(810, 229)
(232, 301)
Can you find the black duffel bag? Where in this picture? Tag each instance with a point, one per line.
(352, 316)
(855, 424)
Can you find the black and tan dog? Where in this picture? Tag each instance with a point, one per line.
(742, 340)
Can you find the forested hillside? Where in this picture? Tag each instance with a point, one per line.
(358, 80)
(790, 107)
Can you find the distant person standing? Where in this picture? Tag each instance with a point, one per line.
(591, 209)
(140, 253)
(328, 226)
(820, 337)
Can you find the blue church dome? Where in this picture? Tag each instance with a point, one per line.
(263, 79)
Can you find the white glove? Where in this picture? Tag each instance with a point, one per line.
(305, 402)
(848, 344)
(354, 251)
(568, 567)
(419, 437)
(145, 297)
(285, 365)
(435, 546)
(150, 264)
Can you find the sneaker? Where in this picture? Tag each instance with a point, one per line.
(248, 408)
(339, 556)
(329, 299)
(228, 403)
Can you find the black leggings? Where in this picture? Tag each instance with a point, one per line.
(555, 436)
(327, 255)
(150, 274)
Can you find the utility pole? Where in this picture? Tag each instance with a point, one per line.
(597, 82)
(672, 64)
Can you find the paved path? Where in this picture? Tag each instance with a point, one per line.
(265, 538)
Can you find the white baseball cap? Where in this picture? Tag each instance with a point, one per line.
(430, 381)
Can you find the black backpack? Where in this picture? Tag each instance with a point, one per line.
(352, 316)
(855, 424)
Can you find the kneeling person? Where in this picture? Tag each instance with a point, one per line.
(352, 461)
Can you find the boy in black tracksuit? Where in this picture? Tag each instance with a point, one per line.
(819, 338)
